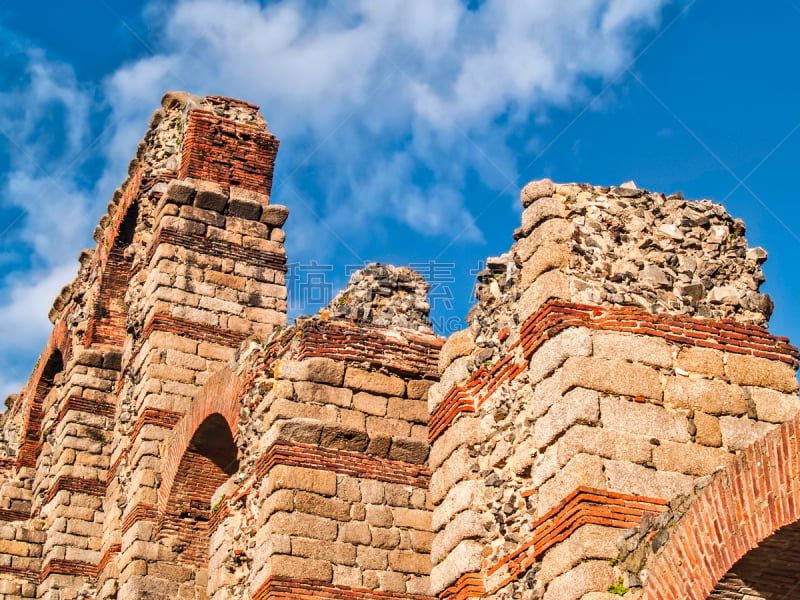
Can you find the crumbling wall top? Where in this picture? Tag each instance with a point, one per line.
(386, 296)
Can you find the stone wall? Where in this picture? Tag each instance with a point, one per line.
(615, 392)
(582, 403)
(184, 270)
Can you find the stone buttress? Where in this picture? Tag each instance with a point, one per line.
(615, 361)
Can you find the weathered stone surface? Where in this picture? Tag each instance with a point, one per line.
(644, 419)
(773, 406)
(286, 477)
(535, 190)
(579, 406)
(691, 459)
(586, 577)
(635, 348)
(761, 372)
(319, 370)
(464, 558)
(739, 433)
(551, 355)
(376, 383)
(586, 543)
(274, 215)
(581, 470)
(614, 376)
(644, 481)
(319, 393)
(701, 360)
(458, 344)
(708, 430)
(707, 395)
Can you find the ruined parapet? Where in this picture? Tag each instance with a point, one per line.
(189, 262)
(614, 362)
(330, 495)
(386, 296)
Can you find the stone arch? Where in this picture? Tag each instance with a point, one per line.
(210, 458)
(751, 499)
(107, 323)
(32, 425)
(222, 395)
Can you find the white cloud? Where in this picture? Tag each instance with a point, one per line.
(400, 99)
(45, 121)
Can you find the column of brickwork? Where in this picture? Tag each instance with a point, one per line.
(213, 275)
(334, 501)
(584, 420)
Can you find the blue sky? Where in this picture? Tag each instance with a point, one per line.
(407, 127)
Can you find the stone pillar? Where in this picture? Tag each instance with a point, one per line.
(615, 361)
(331, 496)
(212, 274)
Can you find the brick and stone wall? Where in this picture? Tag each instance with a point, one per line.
(185, 268)
(614, 420)
(590, 399)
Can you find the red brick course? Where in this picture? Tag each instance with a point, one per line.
(556, 316)
(220, 249)
(749, 500)
(228, 152)
(300, 589)
(75, 484)
(582, 507)
(344, 462)
(412, 355)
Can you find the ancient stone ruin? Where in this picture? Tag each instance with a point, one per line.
(614, 421)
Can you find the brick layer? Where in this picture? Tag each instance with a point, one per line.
(344, 462)
(140, 512)
(771, 570)
(469, 585)
(584, 506)
(192, 330)
(228, 152)
(555, 316)
(410, 355)
(299, 589)
(76, 484)
(745, 504)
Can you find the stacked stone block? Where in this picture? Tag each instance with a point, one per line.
(331, 495)
(213, 274)
(575, 421)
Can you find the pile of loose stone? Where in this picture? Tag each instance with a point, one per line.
(386, 296)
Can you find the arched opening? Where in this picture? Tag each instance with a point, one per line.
(770, 571)
(33, 421)
(210, 458)
(107, 325)
(740, 538)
